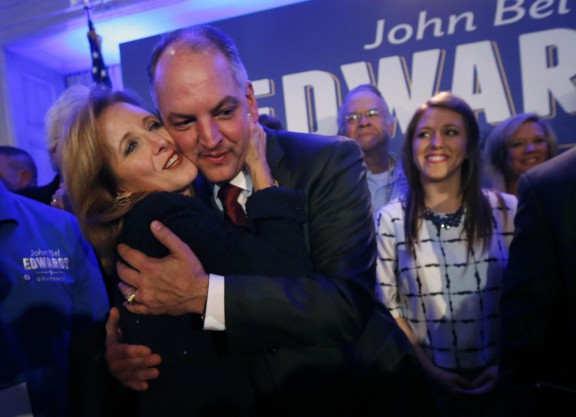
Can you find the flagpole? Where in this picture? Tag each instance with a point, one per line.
(87, 8)
(100, 74)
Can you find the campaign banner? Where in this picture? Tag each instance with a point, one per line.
(502, 56)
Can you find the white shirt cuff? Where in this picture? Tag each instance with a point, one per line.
(214, 316)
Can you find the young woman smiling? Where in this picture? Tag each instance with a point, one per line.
(442, 253)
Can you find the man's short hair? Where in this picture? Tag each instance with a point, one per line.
(21, 160)
(362, 87)
(199, 39)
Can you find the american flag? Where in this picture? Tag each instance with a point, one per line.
(100, 74)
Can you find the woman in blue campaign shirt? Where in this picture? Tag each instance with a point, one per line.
(52, 306)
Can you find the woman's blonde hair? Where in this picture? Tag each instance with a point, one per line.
(496, 147)
(90, 182)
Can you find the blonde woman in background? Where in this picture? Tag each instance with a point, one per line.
(514, 146)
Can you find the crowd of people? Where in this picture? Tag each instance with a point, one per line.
(207, 262)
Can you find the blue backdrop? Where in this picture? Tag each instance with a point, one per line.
(502, 56)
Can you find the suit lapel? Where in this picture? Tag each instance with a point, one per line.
(277, 159)
(203, 190)
(280, 164)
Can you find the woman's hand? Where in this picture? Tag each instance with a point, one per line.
(60, 199)
(482, 384)
(450, 381)
(133, 365)
(485, 382)
(256, 163)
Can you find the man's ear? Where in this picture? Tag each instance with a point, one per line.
(25, 179)
(251, 101)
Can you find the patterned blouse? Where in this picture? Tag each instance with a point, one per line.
(451, 301)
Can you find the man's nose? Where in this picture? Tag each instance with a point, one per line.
(209, 134)
(363, 120)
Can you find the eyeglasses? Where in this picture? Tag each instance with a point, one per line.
(354, 118)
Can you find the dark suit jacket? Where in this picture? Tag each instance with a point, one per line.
(539, 297)
(42, 193)
(332, 306)
(320, 344)
(193, 360)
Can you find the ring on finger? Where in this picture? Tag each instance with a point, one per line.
(131, 297)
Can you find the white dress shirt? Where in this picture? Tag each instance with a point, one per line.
(214, 316)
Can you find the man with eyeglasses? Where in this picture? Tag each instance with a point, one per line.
(365, 118)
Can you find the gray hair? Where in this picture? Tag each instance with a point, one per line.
(387, 116)
(56, 118)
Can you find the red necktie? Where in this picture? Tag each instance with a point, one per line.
(228, 195)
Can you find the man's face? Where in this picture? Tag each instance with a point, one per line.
(369, 130)
(205, 111)
(10, 176)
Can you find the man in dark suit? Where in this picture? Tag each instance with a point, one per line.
(538, 368)
(297, 332)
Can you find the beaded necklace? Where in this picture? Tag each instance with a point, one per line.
(444, 221)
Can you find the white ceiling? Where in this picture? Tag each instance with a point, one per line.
(53, 32)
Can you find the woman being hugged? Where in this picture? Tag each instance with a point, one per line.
(442, 250)
(122, 171)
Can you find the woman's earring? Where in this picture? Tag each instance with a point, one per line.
(121, 200)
